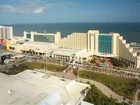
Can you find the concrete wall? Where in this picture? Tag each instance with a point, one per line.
(75, 41)
(115, 45)
(93, 41)
(58, 38)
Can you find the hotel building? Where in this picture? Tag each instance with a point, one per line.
(6, 32)
(105, 45)
(80, 46)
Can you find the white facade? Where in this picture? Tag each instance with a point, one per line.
(6, 32)
(75, 41)
(43, 37)
(71, 54)
(93, 41)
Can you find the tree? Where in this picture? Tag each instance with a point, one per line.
(103, 60)
(93, 60)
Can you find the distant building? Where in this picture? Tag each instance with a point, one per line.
(43, 37)
(86, 45)
(6, 32)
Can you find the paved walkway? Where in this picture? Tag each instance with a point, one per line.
(104, 89)
(136, 94)
(108, 92)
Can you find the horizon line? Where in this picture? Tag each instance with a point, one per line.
(60, 23)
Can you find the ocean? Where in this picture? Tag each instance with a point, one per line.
(130, 31)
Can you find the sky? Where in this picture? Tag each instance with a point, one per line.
(61, 11)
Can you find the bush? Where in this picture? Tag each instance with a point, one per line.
(138, 96)
(116, 62)
(93, 60)
(75, 72)
(103, 60)
(119, 63)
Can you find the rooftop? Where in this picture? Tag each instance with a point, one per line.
(5, 26)
(135, 45)
(36, 46)
(31, 88)
(84, 53)
(105, 34)
(41, 33)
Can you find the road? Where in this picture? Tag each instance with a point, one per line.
(123, 73)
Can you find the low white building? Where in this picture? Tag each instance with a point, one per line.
(35, 48)
(71, 54)
(35, 88)
(50, 50)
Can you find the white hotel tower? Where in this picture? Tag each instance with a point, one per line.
(105, 45)
(6, 32)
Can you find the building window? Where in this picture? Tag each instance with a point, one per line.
(105, 44)
(44, 38)
(29, 36)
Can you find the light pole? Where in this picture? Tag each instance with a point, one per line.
(64, 73)
(75, 69)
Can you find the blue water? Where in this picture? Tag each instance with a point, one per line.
(130, 31)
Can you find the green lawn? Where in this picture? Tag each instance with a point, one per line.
(98, 98)
(120, 85)
(47, 66)
(35, 65)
